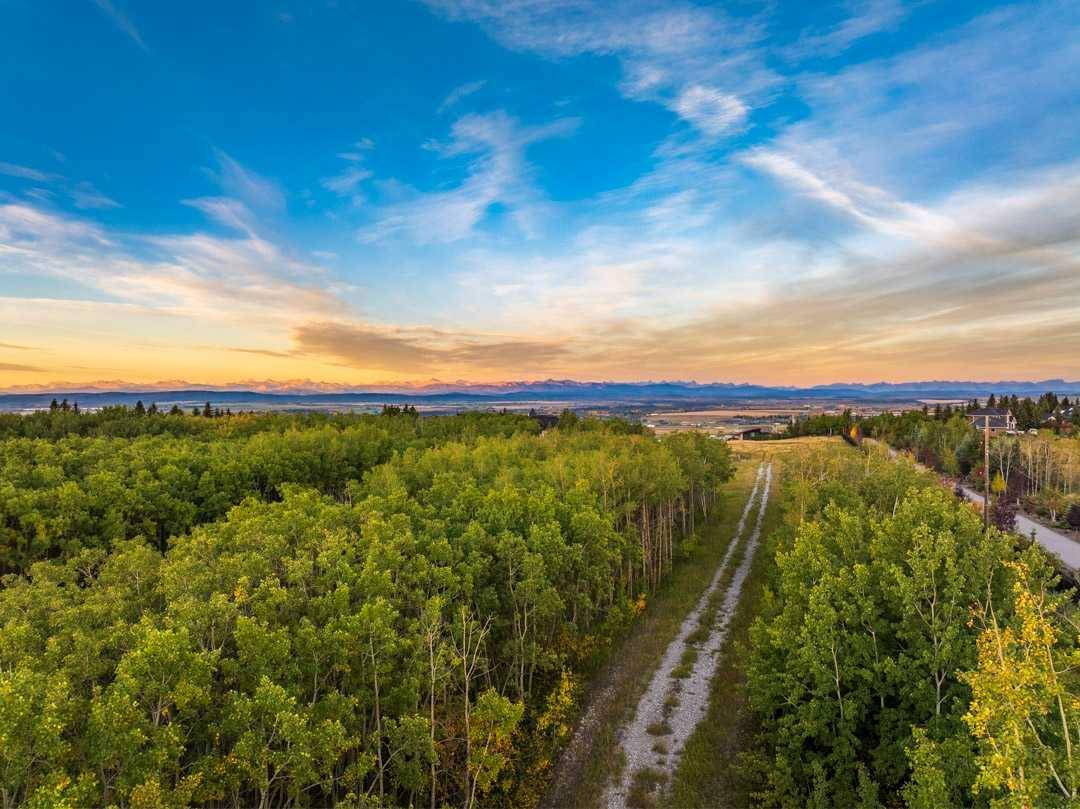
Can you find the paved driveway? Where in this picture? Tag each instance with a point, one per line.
(1067, 550)
(1059, 544)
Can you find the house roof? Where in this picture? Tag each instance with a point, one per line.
(992, 418)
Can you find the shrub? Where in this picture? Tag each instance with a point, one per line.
(1003, 514)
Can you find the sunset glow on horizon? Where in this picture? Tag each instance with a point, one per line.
(474, 190)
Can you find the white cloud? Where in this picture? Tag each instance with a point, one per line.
(345, 184)
(713, 112)
(85, 197)
(25, 173)
(909, 121)
(237, 181)
(231, 213)
(497, 173)
(460, 92)
(228, 279)
(26, 226)
(665, 49)
(867, 18)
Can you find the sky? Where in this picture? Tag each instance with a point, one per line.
(358, 192)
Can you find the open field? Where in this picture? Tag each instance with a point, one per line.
(771, 449)
(749, 412)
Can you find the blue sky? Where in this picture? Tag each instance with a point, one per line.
(352, 192)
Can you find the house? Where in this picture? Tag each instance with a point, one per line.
(997, 419)
(751, 433)
(545, 420)
(1064, 415)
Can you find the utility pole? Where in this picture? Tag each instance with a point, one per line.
(986, 472)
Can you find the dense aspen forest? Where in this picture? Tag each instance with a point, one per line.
(268, 610)
(121, 473)
(905, 655)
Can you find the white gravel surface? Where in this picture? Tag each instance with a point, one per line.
(692, 692)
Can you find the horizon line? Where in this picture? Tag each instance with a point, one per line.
(312, 387)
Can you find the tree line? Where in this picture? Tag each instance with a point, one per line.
(1040, 472)
(905, 655)
(417, 635)
(64, 419)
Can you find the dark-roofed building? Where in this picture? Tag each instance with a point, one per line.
(545, 420)
(750, 433)
(997, 419)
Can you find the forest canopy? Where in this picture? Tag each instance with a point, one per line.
(905, 655)
(387, 610)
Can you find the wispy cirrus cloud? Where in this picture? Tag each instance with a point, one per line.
(345, 183)
(193, 274)
(864, 18)
(226, 211)
(121, 21)
(240, 182)
(460, 92)
(895, 122)
(26, 173)
(85, 196)
(497, 173)
(700, 63)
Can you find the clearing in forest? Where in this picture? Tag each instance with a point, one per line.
(677, 697)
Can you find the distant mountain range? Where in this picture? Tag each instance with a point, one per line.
(305, 394)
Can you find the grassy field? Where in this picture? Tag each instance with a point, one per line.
(582, 775)
(776, 450)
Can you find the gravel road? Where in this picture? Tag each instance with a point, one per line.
(692, 692)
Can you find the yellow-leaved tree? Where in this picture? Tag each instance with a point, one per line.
(1025, 703)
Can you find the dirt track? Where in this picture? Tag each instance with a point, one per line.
(672, 707)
